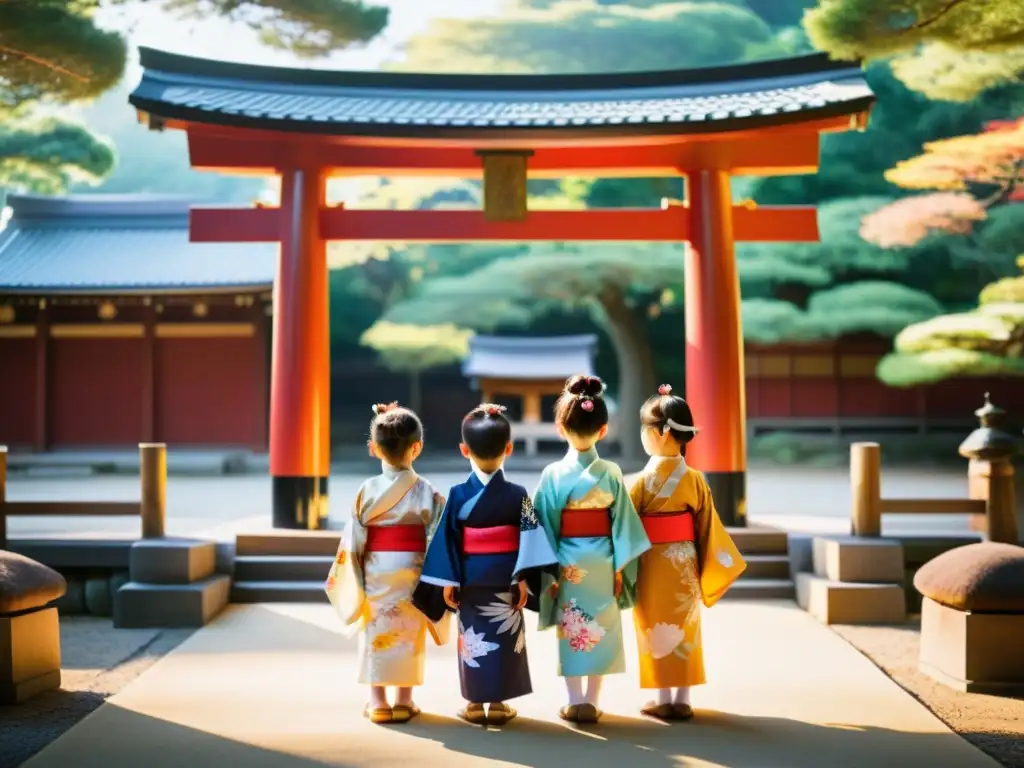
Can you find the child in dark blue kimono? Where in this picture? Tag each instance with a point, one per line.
(487, 543)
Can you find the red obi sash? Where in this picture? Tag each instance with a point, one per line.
(396, 538)
(496, 540)
(585, 523)
(668, 529)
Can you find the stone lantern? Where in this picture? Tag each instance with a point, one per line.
(990, 472)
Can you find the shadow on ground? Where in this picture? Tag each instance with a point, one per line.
(713, 739)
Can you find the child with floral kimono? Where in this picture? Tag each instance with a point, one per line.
(692, 558)
(487, 544)
(585, 510)
(378, 565)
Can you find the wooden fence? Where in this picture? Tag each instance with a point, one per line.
(991, 496)
(151, 507)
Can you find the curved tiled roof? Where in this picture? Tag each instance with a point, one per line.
(119, 244)
(543, 357)
(522, 106)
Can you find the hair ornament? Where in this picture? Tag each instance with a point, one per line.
(669, 424)
(380, 408)
(665, 389)
(587, 404)
(494, 410)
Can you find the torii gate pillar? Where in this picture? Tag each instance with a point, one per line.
(300, 388)
(714, 344)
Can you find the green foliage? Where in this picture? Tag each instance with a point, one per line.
(771, 321)
(986, 341)
(929, 35)
(867, 306)
(415, 348)
(53, 54)
(853, 164)
(587, 36)
(47, 155)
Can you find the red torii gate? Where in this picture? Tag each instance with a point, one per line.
(307, 125)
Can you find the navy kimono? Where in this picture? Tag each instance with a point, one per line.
(488, 538)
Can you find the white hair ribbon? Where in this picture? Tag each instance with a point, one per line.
(669, 424)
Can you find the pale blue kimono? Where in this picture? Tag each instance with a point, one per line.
(585, 610)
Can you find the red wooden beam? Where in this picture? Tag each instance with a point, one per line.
(250, 225)
(759, 155)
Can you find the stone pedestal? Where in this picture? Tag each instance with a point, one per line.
(173, 584)
(856, 580)
(972, 618)
(29, 629)
(29, 655)
(974, 652)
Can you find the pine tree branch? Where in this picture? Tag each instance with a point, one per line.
(938, 16)
(43, 63)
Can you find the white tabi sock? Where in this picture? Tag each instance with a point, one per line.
(574, 685)
(594, 689)
(683, 695)
(664, 695)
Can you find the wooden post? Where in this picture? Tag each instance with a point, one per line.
(3, 496)
(153, 478)
(866, 489)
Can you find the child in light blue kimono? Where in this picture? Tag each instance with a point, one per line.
(585, 510)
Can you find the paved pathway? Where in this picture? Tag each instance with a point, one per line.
(273, 687)
(811, 500)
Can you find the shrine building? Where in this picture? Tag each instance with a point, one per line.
(116, 330)
(305, 126)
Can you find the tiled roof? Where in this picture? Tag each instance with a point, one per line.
(552, 357)
(119, 244)
(401, 104)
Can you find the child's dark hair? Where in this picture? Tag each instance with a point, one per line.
(394, 429)
(664, 407)
(486, 431)
(581, 408)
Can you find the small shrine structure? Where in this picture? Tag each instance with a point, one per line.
(116, 330)
(304, 126)
(529, 369)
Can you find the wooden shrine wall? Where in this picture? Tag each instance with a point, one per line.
(70, 379)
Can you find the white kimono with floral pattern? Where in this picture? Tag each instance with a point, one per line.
(372, 591)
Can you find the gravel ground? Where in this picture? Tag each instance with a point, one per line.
(98, 661)
(993, 724)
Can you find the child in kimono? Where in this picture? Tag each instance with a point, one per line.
(487, 542)
(378, 565)
(692, 558)
(585, 510)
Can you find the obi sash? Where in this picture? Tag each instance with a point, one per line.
(668, 529)
(495, 540)
(585, 523)
(396, 538)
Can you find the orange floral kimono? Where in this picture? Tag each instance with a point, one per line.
(692, 560)
(376, 570)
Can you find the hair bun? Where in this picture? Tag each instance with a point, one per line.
(585, 386)
(665, 389)
(380, 408)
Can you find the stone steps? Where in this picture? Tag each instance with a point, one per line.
(249, 568)
(279, 592)
(291, 566)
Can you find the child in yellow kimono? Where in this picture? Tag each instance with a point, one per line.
(378, 566)
(692, 558)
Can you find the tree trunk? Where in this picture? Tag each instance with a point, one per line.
(415, 393)
(636, 369)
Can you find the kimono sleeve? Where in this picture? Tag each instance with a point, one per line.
(345, 584)
(442, 566)
(535, 550)
(629, 540)
(720, 560)
(548, 514)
